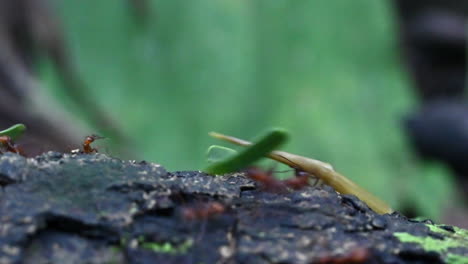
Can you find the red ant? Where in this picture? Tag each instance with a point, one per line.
(357, 256)
(203, 211)
(300, 181)
(266, 178)
(273, 185)
(10, 146)
(87, 143)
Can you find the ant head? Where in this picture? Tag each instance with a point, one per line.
(94, 137)
(217, 207)
(253, 171)
(301, 173)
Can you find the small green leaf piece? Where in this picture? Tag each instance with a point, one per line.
(14, 132)
(259, 149)
(218, 153)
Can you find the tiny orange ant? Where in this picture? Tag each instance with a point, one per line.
(360, 255)
(10, 145)
(269, 183)
(87, 143)
(322, 171)
(203, 211)
(300, 181)
(302, 177)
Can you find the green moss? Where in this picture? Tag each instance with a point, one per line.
(451, 240)
(461, 232)
(456, 259)
(164, 247)
(116, 249)
(168, 248)
(460, 236)
(428, 243)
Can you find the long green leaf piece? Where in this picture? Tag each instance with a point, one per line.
(320, 169)
(219, 153)
(254, 152)
(14, 132)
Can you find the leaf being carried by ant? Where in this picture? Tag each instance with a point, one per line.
(217, 153)
(259, 149)
(14, 132)
(8, 136)
(322, 170)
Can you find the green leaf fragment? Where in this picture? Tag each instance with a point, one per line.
(14, 132)
(259, 149)
(218, 153)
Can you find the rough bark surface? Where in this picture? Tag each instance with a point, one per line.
(77, 208)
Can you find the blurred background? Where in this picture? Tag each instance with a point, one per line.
(375, 88)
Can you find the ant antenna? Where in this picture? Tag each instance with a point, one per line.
(94, 136)
(295, 167)
(298, 170)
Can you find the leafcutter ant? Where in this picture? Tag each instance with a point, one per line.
(360, 255)
(266, 179)
(302, 177)
(9, 145)
(300, 181)
(322, 171)
(271, 184)
(203, 211)
(87, 143)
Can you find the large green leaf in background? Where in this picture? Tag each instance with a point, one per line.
(328, 71)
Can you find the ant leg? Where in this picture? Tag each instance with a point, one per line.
(87, 144)
(202, 231)
(8, 143)
(315, 182)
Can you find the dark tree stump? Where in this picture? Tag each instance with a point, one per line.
(74, 208)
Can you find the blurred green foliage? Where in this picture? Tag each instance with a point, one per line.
(327, 71)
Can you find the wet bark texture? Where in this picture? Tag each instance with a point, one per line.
(76, 208)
